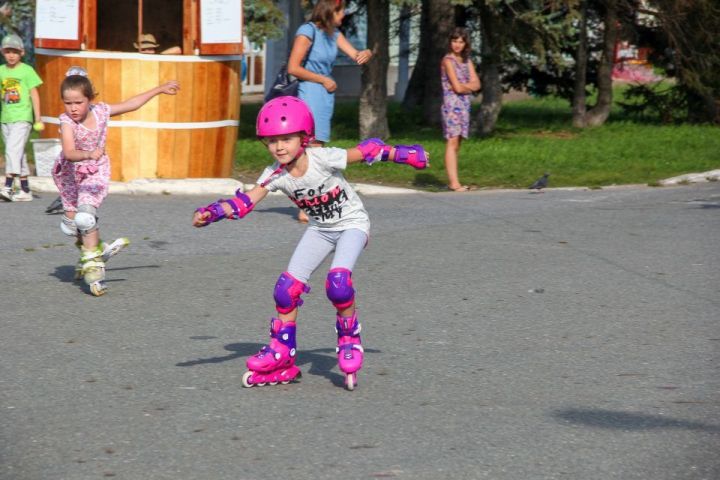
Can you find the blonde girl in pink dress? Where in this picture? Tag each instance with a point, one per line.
(459, 82)
(82, 171)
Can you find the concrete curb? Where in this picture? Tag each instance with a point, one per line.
(710, 176)
(197, 186)
(228, 186)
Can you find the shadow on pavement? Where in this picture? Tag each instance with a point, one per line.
(628, 421)
(321, 360)
(289, 211)
(66, 273)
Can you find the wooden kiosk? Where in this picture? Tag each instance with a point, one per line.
(191, 134)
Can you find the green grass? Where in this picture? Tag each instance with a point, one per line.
(532, 137)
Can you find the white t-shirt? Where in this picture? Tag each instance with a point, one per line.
(324, 194)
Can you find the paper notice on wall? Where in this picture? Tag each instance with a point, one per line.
(221, 21)
(57, 19)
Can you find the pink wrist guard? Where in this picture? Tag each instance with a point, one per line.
(241, 205)
(413, 155)
(373, 149)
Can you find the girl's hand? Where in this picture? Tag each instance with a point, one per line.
(363, 57)
(97, 153)
(329, 84)
(200, 219)
(170, 88)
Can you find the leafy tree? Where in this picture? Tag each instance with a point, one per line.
(263, 20)
(519, 38)
(598, 114)
(18, 16)
(438, 17)
(692, 31)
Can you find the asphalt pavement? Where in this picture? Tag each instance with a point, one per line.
(508, 335)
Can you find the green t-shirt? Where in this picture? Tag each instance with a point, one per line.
(15, 86)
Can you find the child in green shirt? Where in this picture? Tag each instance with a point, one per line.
(20, 113)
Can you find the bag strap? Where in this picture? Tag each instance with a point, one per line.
(312, 44)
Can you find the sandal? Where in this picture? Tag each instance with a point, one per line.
(460, 189)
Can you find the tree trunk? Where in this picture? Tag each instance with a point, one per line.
(703, 108)
(489, 71)
(436, 22)
(579, 102)
(403, 53)
(601, 111)
(373, 95)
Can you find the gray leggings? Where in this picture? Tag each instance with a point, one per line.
(315, 245)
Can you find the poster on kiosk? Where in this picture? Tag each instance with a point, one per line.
(128, 47)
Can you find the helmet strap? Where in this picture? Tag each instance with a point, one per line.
(306, 140)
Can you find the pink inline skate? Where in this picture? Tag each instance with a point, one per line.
(349, 350)
(275, 363)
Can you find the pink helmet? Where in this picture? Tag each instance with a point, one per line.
(284, 115)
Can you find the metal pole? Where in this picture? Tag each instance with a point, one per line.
(140, 23)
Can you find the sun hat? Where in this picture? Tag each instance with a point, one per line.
(147, 40)
(12, 41)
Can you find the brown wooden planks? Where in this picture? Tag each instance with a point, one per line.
(167, 113)
(209, 92)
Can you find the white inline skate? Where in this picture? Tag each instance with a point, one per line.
(93, 270)
(109, 250)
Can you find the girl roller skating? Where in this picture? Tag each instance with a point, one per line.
(312, 178)
(82, 171)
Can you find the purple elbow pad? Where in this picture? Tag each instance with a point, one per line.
(413, 155)
(374, 149)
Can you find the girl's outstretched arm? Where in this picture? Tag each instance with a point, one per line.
(359, 56)
(232, 208)
(373, 149)
(132, 104)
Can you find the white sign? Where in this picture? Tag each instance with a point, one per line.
(57, 19)
(221, 21)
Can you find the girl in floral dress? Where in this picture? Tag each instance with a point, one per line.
(82, 171)
(459, 82)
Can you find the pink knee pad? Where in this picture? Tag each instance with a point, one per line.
(287, 293)
(339, 287)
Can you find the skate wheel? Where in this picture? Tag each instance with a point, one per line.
(350, 381)
(285, 382)
(273, 383)
(98, 289)
(246, 379)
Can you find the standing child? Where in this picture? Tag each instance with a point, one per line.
(312, 178)
(82, 171)
(459, 81)
(20, 113)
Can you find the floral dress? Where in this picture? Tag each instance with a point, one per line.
(85, 182)
(455, 108)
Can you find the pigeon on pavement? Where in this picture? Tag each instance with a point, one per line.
(540, 183)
